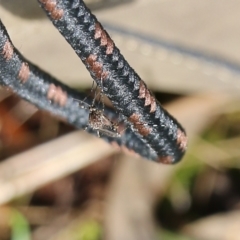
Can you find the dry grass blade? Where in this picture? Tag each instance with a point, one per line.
(32, 169)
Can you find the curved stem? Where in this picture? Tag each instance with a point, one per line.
(127, 91)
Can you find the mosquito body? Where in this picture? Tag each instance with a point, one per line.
(98, 121)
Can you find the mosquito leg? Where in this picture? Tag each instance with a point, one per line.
(95, 94)
(101, 94)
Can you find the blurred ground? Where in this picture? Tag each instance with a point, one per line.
(186, 51)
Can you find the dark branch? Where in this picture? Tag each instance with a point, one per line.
(128, 93)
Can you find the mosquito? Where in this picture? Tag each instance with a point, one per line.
(97, 120)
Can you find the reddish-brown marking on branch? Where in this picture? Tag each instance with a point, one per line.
(57, 95)
(7, 50)
(105, 39)
(142, 129)
(51, 7)
(182, 140)
(165, 159)
(149, 99)
(96, 67)
(24, 73)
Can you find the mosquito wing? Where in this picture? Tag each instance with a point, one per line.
(109, 133)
